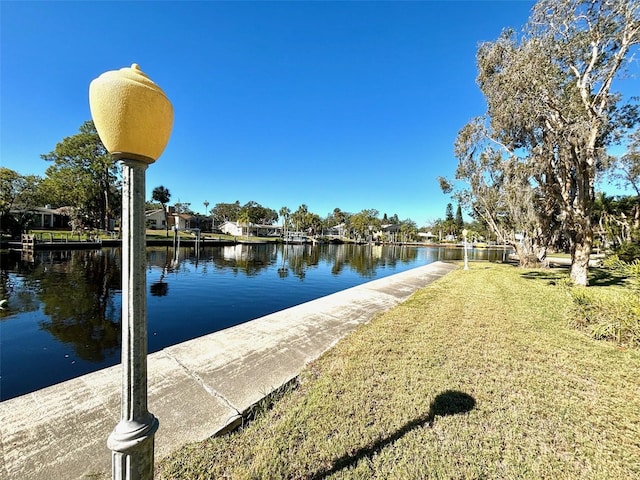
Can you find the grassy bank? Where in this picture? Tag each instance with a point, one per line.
(477, 376)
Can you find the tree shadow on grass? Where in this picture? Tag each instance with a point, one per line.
(598, 277)
(605, 278)
(551, 275)
(447, 403)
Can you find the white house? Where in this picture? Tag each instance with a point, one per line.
(427, 237)
(232, 228)
(184, 221)
(154, 219)
(236, 229)
(336, 231)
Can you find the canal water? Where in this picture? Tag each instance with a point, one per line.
(62, 315)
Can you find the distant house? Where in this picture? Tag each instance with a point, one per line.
(388, 232)
(267, 230)
(45, 217)
(336, 231)
(184, 221)
(154, 219)
(427, 237)
(236, 229)
(232, 228)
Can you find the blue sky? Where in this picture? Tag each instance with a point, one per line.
(353, 105)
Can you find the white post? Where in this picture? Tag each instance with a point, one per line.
(466, 260)
(132, 439)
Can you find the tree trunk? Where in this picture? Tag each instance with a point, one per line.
(580, 253)
(166, 219)
(105, 219)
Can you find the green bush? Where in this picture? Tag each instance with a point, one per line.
(628, 269)
(607, 314)
(628, 252)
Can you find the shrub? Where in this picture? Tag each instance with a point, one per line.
(629, 269)
(607, 314)
(628, 252)
(611, 314)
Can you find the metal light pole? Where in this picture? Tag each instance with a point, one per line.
(134, 118)
(466, 260)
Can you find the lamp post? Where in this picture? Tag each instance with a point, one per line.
(134, 118)
(466, 260)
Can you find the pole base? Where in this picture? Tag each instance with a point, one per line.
(132, 446)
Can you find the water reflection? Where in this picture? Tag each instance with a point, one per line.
(252, 260)
(63, 312)
(74, 290)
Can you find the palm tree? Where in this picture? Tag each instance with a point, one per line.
(243, 219)
(206, 205)
(162, 195)
(284, 213)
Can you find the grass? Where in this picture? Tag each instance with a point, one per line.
(611, 313)
(477, 376)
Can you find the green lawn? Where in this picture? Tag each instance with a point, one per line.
(477, 376)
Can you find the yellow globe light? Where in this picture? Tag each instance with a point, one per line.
(132, 115)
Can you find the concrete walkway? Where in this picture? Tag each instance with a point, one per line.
(196, 388)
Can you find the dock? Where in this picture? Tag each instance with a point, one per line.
(30, 243)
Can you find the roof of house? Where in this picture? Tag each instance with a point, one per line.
(50, 211)
(148, 213)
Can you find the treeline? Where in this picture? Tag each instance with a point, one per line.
(355, 225)
(84, 182)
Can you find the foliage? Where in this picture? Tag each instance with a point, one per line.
(459, 219)
(183, 207)
(285, 214)
(614, 313)
(11, 183)
(244, 219)
(151, 205)
(302, 220)
(628, 267)
(628, 252)
(21, 193)
(616, 219)
(365, 221)
(449, 213)
(609, 315)
(84, 177)
(258, 214)
(499, 193)
(341, 220)
(626, 173)
(408, 230)
(551, 113)
(226, 212)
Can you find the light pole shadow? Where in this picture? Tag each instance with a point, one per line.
(450, 402)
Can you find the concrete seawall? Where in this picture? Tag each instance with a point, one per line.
(196, 388)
